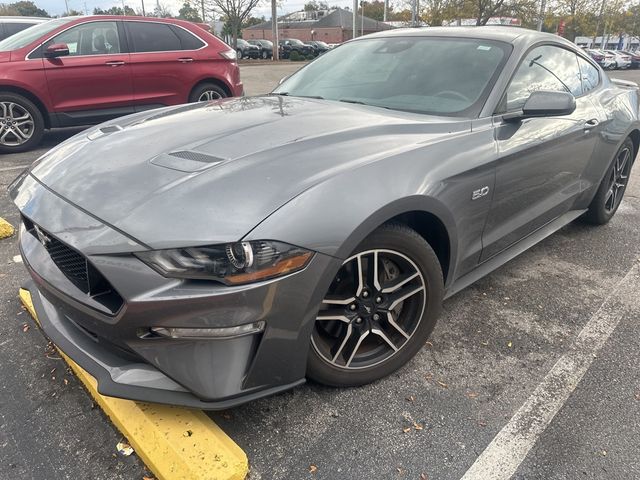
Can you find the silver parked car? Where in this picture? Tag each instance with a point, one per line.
(314, 232)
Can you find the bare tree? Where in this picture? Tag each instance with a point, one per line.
(236, 12)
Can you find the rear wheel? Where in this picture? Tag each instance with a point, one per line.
(379, 310)
(265, 54)
(611, 190)
(21, 124)
(239, 54)
(207, 92)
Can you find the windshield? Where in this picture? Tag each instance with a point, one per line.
(31, 34)
(430, 75)
(322, 44)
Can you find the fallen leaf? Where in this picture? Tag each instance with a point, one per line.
(482, 423)
(313, 468)
(124, 449)
(410, 398)
(637, 395)
(472, 395)
(429, 344)
(424, 476)
(484, 343)
(604, 453)
(66, 382)
(428, 376)
(406, 429)
(188, 433)
(510, 344)
(25, 327)
(399, 469)
(442, 384)
(417, 426)
(148, 478)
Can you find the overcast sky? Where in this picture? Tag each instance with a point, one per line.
(57, 7)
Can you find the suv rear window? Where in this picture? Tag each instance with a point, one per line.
(187, 39)
(153, 37)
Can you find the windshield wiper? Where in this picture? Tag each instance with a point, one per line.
(350, 100)
(287, 94)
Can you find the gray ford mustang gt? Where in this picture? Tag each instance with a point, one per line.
(213, 253)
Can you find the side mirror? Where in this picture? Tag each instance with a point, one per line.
(543, 103)
(56, 50)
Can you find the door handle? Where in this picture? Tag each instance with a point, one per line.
(589, 124)
(115, 63)
(185, 60)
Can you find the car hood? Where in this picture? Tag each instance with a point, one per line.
(210, 172)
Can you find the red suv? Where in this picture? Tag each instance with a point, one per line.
(85, 70)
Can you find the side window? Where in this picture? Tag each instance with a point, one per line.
(95, 38)
(153, 37)
(543, 68)
(188, 41)
(590, 75)
(11, 28)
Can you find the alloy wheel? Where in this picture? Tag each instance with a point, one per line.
(16, 124)
(374, 306)
(618, 178)
(209, 95)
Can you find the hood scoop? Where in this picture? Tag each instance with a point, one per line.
(186, 161)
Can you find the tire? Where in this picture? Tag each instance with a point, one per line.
(206, 92)
(608, 196)
(395, 249)
(265, 55)
(21, 123)
(239, 54)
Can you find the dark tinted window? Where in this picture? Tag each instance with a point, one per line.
(11, 28)
(188, 41)
(590, 75)
(153, 37)
(543, 68)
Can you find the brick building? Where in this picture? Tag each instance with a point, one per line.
(330, 26)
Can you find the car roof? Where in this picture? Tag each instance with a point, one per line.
(488, 32)
(24, 19)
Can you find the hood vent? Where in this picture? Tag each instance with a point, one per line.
(186, 161)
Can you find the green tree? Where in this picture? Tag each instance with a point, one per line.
(315, 5)
(115, 11)
(23, 8)
(188, 12)
(375, 10)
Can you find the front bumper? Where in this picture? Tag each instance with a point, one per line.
(105, 340)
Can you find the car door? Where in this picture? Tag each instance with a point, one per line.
(93, 82)
(541, 160)
(165, 62)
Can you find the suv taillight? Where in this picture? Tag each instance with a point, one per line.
(229, 54)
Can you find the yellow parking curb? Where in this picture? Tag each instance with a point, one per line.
(174, 443)
(6, 229)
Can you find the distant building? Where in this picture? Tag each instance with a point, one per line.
(330, 26)
(469, 22)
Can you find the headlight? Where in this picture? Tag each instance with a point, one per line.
(232, 264)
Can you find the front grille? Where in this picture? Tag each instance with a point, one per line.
(72, 264)
(76, 268)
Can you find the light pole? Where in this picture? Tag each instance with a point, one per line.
(66, 5)
(362, 18)
(541, 16)
(275, 50)
(354, 32)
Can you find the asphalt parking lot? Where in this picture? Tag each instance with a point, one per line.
(531, 373)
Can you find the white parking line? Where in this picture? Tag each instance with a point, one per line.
(503, 456)
(17, 167)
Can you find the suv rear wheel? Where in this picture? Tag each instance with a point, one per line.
(21, 123)
(206, 93)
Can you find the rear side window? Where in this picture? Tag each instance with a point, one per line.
(188, 41)
(11, 28)
(543, 68)
(590, 75)
(153, 37)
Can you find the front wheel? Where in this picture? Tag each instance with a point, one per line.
(612, 187)
(380, 308)
(21, 124)
(239, 54)
(265, 54)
